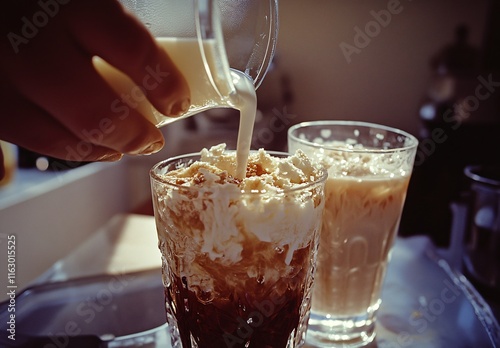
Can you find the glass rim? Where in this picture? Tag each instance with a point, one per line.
(291, 136)
(473, 172)
(154, 175)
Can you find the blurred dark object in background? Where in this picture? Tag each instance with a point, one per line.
(481, 235)
(460, 126)
(273, 118)
(29, 159)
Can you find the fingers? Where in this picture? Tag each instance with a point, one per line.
(59, 105)
(92, 112)
(121, 40)
(43, 134)
(69, 89)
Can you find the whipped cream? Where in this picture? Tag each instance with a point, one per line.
(234, 214)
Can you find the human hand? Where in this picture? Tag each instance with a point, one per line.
(53, 100)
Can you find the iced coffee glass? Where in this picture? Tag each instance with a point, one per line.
(369, 167)
(238, 255)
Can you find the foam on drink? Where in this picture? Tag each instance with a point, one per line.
(238, 252)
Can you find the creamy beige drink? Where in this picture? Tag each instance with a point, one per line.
(369, 168)
(360, 221)
(238, 254)
(364, 200)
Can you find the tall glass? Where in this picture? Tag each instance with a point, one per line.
(369, 167)
(214, 43)
(237, 266)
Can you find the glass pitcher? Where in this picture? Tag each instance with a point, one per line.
(208, 40)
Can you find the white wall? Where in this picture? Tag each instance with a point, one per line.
(51, 213)
(383, 83)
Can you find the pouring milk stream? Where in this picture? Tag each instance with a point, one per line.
(202, 59)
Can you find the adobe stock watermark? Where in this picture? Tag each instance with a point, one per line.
(11, 289)
(455, 116)
(426, 315)
(47, 9)
(246, 326)
(88, 310)
(364, 36)
(276, 123)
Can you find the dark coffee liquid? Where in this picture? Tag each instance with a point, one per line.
(259, 314)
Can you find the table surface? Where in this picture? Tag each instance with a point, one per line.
(425, 302)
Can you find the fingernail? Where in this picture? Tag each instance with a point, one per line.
(153, 148)
(112, 157)
(180, 107)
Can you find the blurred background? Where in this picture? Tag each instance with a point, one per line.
(428, 67)
(421, 66)
(405, 64)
